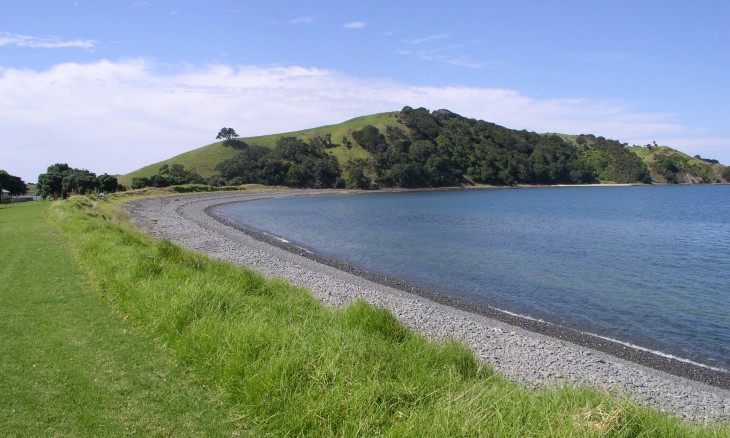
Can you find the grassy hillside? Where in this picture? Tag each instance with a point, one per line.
(204, 159)
(436, 149)
(668, 165)
(683, 169)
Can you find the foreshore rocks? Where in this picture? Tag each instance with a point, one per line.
(531, 358)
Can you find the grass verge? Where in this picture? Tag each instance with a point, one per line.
(69, 364)
(288, 366)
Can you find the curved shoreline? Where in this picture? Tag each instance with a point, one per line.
(672, 365)
(522, 349)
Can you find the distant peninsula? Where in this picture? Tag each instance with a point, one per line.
(417, 148)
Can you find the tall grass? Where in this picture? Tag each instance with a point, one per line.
(292, 367)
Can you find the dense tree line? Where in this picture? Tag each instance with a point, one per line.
(293, 163)
(168, 176)
(443, 149)
(434, 149)
(61, 180)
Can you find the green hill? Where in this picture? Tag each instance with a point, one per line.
(671, 166)
(204, 159)
(418, 148)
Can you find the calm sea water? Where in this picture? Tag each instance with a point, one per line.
(648, 266)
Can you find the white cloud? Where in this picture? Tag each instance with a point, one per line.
(427, 39)
(118, 116)
(302, 20)
(438, 54)
(9, 39)
(354, 25)
(459, 61)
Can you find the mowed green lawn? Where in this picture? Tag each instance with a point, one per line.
(70, 365)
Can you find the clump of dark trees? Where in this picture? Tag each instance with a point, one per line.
(13, 184)
(442, 148)
(61, 181)
(168, 176)
(293, 163)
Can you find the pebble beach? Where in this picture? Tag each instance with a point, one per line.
(526, 351)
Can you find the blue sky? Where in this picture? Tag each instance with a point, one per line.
(115, 85)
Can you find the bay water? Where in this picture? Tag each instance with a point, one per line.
(647, 266)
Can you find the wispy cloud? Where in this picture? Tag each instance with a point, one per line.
(301, 20)
(139, 4)
(429, 52)
(9, 39)
(118, 116)
(354, 25)
(437, 55)
(623, 58)
(458, 61)
(427, 39)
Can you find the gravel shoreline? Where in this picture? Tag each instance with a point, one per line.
(528, 356)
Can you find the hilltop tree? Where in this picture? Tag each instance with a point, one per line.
(227, 134)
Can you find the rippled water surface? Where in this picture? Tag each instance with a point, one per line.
(644, 265)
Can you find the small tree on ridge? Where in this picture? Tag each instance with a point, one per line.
(226, 133)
